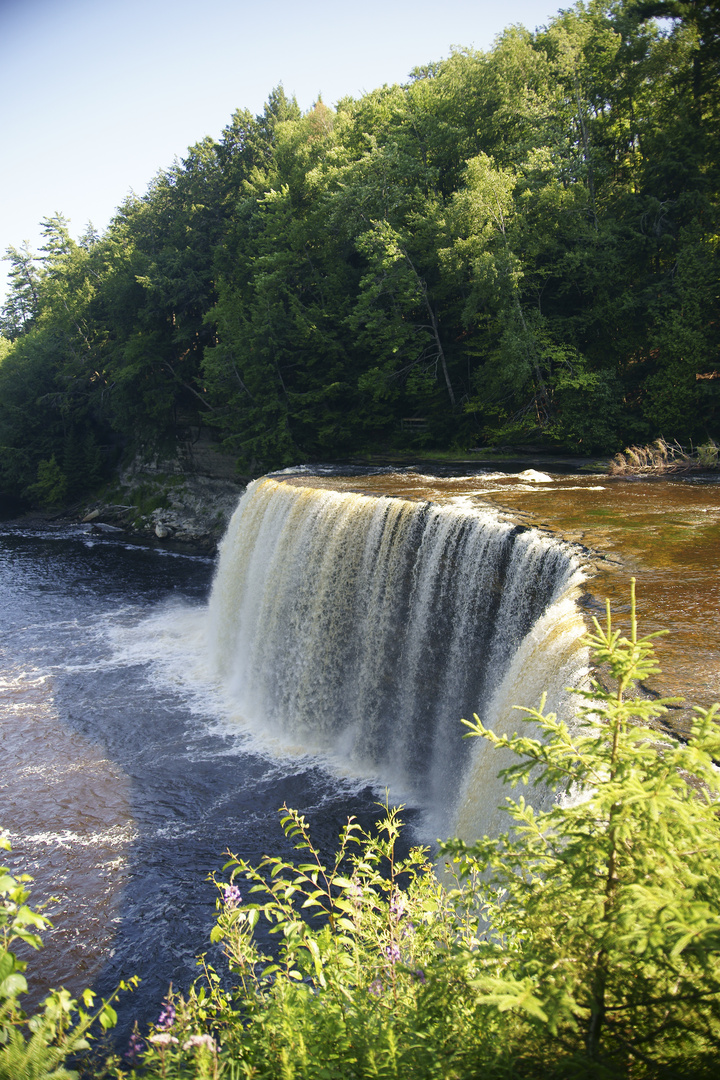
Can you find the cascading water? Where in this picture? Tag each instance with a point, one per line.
(367, 626)
(361, 627)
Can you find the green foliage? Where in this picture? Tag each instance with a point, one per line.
(582, 942)
(51, 485)
(151, 494)
(22, 302)
(518, 244)
(606, 907)
(354, 936)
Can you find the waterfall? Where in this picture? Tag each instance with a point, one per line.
(367, 626)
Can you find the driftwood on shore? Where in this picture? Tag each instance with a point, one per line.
(664, 457)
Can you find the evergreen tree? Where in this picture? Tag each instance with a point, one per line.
(23, 300)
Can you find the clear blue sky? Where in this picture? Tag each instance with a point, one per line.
(97, 95)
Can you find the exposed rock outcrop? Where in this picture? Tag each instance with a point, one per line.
(187, 498)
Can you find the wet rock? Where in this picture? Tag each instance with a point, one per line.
(100, 526)
(532, 476)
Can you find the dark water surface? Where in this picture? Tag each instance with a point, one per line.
(120, 794)
(125, 776)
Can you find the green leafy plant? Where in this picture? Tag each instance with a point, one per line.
(355, 936)
(51, 485)
(603, 914)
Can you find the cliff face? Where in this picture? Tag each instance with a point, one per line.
(188, 497)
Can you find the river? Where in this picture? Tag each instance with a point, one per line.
(122, 783)
(128, 772)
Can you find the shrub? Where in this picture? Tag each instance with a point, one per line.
(582, 942)
(50, 488)
(606, 910)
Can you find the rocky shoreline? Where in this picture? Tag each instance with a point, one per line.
(187, 499)
(194, 511)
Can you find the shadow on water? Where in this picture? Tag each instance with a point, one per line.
(122, 800)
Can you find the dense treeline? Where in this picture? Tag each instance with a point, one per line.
(515, 246)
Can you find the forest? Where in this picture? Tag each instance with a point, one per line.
(515, 247)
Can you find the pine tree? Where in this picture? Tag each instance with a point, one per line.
(604, 913)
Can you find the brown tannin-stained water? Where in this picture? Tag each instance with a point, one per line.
(156, 709)
(664, 532)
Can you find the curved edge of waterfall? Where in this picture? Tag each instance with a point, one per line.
(553, 660)
(366, 626)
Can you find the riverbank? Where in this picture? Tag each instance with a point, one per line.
(188, 499)
(193, 513)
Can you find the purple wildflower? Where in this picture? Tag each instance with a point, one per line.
(397, 905)
(167, 1016)
(420, 976)
(393, 953)
(135, 1046)
(375, 988)
(232, 896)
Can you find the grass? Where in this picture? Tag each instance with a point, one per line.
(662, 457)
